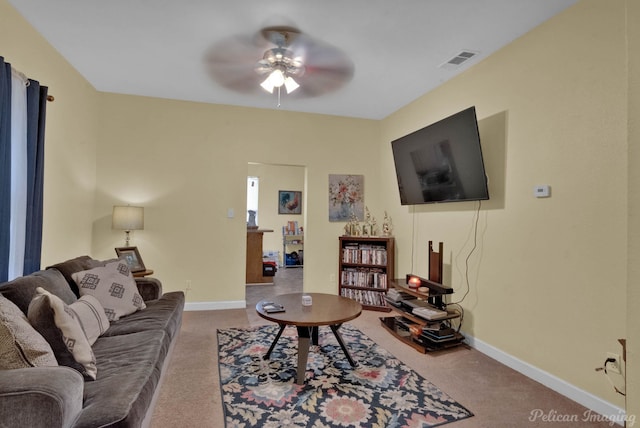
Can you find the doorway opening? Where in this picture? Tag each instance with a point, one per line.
(268, 185)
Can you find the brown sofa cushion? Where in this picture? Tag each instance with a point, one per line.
(22, 290)
(71, 266)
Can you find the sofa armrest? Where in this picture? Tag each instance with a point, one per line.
(149, 288)
(40, 397)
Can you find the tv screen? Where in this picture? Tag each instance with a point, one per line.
(441, 162)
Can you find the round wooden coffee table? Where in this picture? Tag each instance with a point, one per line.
(326, 309)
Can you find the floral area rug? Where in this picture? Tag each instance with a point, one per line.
(380, 392)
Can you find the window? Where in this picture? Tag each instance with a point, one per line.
(252, 196)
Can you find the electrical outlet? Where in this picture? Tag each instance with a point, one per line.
(332, 278)
(188, 285)
(613, 366)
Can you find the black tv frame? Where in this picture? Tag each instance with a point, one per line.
(455, 142)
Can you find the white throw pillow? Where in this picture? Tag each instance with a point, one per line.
(73, 335)
(91, 316)
(114, 287)
(21, 346)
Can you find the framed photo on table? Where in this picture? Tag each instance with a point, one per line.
(132, 257)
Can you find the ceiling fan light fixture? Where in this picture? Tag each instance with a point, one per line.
(275, 80)
(267, 85)
(281, 65)
(290, 84)
(277, 77)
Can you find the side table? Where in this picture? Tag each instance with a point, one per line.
(142, 273)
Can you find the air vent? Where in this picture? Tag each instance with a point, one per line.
(459, 59)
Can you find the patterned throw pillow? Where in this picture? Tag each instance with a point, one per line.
(65, 334)
(21, 346)
(114, 287)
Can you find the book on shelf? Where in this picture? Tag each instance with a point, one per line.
(364, 277)
(364, 253)
(365, 297)
(291, 228)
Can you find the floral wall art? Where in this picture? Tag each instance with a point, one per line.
(346, 197)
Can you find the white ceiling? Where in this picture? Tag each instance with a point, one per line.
(155, 48)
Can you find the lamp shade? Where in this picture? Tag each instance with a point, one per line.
(127, 218)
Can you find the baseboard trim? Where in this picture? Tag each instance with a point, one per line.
(215, 306)
(576, 394)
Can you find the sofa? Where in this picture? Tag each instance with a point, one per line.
(118, 382)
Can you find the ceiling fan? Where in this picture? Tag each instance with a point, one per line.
(278, 57)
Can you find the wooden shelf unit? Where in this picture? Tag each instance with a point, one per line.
(409, 328)
(291, 244)
(366, 264)
(254, 269)
(414, 330)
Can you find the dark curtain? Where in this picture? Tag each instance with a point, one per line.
(36, 118)
(5, 166)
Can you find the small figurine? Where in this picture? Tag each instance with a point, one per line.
(367, 215)
(386, 225)
(355, 225)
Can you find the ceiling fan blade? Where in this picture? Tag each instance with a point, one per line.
(327, 68)
(319, 82)
(232, 62)
(237, 62)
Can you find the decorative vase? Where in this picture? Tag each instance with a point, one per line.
(251, 224)
(345, 210)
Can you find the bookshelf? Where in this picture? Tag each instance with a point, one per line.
(292, 245)
(365, 267)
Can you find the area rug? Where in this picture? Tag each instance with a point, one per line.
(380, 392)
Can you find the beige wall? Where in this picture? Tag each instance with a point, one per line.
(633, 260)
(548, 282)
(71, 138)
(187, 163)
(548, 279)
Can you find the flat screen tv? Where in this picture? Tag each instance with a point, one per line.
(441, 162)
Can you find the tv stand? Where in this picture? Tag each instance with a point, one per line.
(419, 333)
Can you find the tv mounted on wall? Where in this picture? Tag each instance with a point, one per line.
(441, 162)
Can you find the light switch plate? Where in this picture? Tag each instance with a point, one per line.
(542, 191)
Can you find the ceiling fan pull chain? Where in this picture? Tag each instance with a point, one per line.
(278, 96)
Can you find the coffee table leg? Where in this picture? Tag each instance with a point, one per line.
(303, 353)
(334, 329)
(273, 344)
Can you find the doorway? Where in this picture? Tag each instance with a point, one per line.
(272, 181)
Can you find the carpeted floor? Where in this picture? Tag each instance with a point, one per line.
(497, 395)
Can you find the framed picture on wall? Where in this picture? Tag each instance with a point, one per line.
(132, 257)
(346, 197)
(289, 202)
